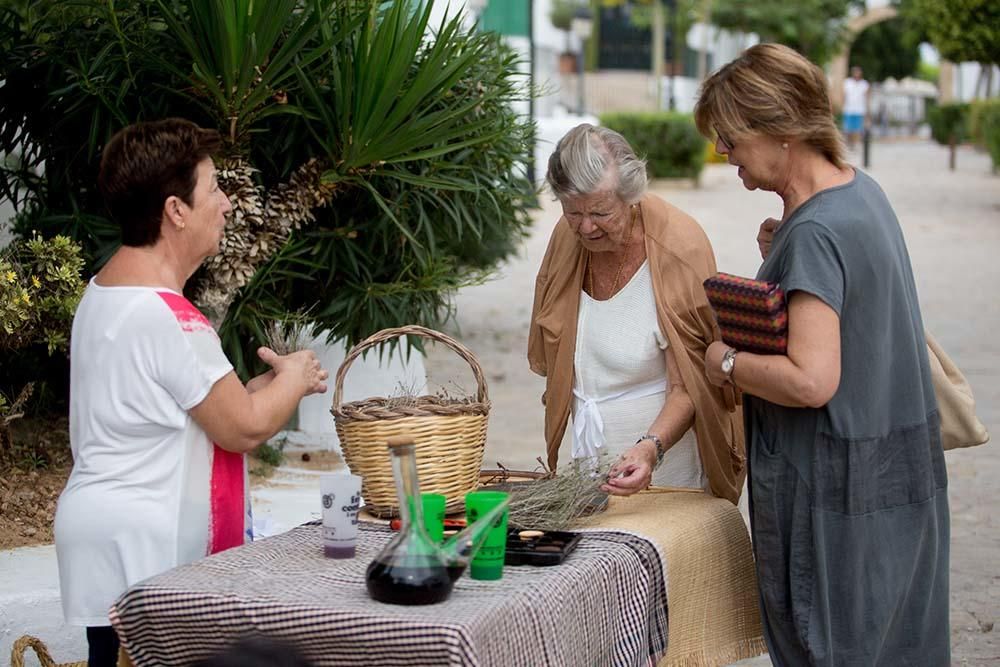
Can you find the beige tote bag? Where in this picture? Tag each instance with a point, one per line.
(956, 405)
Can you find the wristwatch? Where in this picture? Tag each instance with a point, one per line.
(729, 362)
(660, 449)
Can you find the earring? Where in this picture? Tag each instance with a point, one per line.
(784, 145)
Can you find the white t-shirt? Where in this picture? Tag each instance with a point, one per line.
(855, 91)
(620, 352)
(149, 490)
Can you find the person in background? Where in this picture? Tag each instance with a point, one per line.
(855, 106)
(159, 421)
(847, 480)
(620, 325)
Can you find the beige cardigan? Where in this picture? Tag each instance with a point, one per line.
(680, 259)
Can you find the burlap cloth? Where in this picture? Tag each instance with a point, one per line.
(711, 584)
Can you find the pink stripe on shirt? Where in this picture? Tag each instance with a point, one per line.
(227, 491)
(188, 316)
(226, 529)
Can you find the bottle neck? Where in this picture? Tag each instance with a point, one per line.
(404, 471)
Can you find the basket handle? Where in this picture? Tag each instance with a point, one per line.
(384, 335)
(23, 644)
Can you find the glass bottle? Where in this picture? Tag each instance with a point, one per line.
(412, 569)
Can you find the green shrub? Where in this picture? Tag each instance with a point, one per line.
(670, 141)
(988, 129)
(375, 160)
(272, 455)
(979, 110)
(40, 287)
(948, 120)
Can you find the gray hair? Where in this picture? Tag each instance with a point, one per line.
(582, 159)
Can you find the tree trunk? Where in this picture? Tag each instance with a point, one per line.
(980, 81)
(706, 22)
(659, 30)
(258, 227)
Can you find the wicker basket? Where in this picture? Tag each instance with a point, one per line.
(450, 434)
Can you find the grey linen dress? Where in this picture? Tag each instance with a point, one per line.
(849, 507)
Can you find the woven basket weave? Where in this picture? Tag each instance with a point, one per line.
(21, 646)
(450, 434)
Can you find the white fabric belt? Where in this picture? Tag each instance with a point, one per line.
(588, 426)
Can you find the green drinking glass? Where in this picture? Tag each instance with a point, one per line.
(487, 563)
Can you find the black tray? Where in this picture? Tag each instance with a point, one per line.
(549, 549)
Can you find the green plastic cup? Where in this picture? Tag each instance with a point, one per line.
(433, 508)
(487, 564)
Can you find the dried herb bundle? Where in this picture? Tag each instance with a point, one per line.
(556, 502)
(405, 395)
(289, 335)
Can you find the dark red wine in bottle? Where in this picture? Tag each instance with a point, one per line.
(411, 583)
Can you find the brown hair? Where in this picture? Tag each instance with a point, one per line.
(145, 163)
(584, 155)
(771, 90)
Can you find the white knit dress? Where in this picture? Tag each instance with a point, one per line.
(621, 380)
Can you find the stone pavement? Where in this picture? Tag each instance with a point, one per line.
(952, 225)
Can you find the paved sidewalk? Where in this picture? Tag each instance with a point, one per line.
(952, 225)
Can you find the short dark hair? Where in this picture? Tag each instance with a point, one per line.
(145, 163)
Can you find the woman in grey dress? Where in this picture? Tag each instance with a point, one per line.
(848, 487)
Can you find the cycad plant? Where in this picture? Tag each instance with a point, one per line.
(373, 160)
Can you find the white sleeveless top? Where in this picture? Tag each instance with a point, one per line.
(620, 380)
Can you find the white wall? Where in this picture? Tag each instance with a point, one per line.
(966, 76)
(6, 213)
(367, 376)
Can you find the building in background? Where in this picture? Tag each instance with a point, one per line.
(620, 78)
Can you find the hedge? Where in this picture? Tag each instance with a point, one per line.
(948, 120)
(984, 127)
(670, 141)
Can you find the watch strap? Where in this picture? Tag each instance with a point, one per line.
(660, 449)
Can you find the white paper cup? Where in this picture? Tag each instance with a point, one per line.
(341, 497)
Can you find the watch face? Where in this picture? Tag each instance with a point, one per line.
(727, 363)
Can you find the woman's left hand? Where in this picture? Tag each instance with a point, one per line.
(713, 363)
(633, 472)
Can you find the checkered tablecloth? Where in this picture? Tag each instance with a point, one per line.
(605, 605)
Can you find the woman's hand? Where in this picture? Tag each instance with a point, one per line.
(765, 235)
(713, 363)
(633, 472)
(302, 366)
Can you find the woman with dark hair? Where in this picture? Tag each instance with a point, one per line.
(848, 487)
(159, 421)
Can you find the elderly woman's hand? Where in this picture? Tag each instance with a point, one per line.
(765, 235)
(303, 367)
(633, 472)
(713, 363)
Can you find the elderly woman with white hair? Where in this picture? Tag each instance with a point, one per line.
(620, 325)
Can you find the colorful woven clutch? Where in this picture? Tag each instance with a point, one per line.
(751, 313)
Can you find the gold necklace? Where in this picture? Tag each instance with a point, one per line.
(621, 265)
